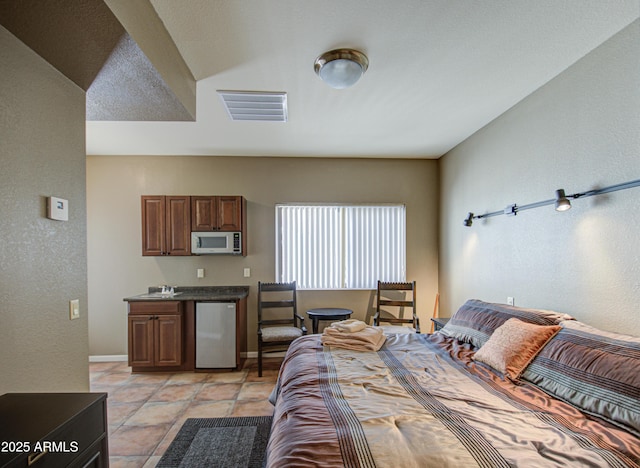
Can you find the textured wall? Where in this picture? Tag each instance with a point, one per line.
(117, 268)
(578, 132)
(42, 262)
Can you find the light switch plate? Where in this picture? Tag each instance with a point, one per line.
(74, 309)
(247, 272)
(200, 272)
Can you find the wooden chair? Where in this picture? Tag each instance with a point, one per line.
(436, 312)
(399, 295)
(277, 328)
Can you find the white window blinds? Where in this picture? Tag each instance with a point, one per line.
(340, 246)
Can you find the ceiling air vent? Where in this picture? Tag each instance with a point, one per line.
(255, 106)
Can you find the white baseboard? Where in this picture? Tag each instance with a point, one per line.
(107, 358)
(124, 357)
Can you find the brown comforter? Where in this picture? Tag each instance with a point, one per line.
(420, 401)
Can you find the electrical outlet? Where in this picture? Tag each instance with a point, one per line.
(247, 272)
(510, 300)
(200, 272)
(74, 309)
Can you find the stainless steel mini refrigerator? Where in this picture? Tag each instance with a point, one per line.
(215, 335)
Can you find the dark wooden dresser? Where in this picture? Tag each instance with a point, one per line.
(53, 430)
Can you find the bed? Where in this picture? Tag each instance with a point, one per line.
(569, 395)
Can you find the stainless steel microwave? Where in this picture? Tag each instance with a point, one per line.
(208, 243)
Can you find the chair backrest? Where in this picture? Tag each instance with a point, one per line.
(401, 295)
(277, 296)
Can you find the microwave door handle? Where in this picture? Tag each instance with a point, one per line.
(198, 243)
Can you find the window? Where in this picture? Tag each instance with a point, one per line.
(340, 246)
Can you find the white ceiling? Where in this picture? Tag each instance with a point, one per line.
(439, 70)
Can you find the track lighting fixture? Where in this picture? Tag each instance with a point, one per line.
(561, 201)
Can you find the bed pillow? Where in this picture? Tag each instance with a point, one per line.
(475, 321)
(597, 371)
(513, 345)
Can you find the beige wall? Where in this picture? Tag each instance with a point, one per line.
(117, 268)
(579, 132)
(43, 262)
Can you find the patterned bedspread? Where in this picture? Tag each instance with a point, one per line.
(422, 402)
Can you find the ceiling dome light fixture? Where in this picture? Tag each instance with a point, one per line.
(341, 68)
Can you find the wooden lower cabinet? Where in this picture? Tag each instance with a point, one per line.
(155, 334)
(162, 334)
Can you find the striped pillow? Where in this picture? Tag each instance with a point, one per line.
(476, 321)
(597, 371)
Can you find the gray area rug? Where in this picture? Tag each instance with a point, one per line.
(219, 442)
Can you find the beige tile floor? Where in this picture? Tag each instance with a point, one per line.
(146, 411)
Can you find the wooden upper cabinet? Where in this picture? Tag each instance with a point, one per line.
(230, 212)
(166, 225)
(203, 213)
(178, 225)
(219, 213)
(153, 225)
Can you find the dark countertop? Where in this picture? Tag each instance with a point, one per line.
(194, 293)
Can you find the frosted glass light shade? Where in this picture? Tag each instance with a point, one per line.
(341, 68)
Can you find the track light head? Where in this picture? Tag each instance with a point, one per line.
(562, 202)
(469, 221)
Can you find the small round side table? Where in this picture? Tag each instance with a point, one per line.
(327, 313)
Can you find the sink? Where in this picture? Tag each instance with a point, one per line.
(159, 295)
